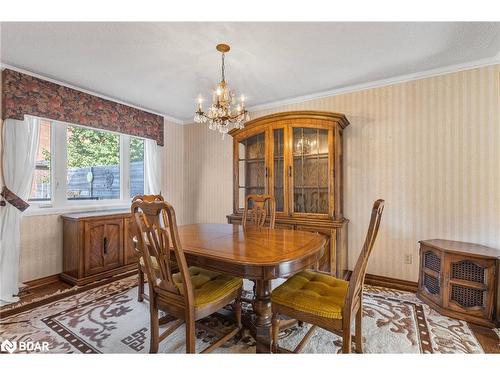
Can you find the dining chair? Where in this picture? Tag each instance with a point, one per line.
(140, 265)
(188, 295)
(325, 301)
(258, 207)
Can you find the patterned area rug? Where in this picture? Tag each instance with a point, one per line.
(108, 319)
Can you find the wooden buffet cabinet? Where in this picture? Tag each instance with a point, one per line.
(297, 158)
(96, 245)
(461, 280)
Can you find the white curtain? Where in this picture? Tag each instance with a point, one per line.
(153, 167)
(20, 143)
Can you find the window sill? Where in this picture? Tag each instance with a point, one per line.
(48, 210)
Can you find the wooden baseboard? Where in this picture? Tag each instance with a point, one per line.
(47, 280)
(130, 268)
(387, 282)
(42, 281)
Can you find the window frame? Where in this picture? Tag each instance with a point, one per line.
(59, 202)
(52, 176)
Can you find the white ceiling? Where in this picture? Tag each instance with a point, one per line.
(164, 67)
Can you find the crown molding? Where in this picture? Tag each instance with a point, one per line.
(380, 83)
(36, 75)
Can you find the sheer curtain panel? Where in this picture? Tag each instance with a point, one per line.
(153, 165)
(20, 143)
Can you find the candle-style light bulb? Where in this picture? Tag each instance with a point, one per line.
(200, 100)
(242, 100)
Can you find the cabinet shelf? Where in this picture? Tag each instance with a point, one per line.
(311, 187)
(310, 156)
(253, 160)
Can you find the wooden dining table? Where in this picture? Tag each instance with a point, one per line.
(254, 253)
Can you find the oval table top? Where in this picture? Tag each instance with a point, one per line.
(253, 252)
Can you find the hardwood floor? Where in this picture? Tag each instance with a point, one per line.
(488, 339)
(39, 293)
(33, 293)
(30, 297)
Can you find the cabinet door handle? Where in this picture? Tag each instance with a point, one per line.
(267, 174)
(105, 243)
(289, 171)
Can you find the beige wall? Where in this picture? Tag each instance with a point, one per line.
(174, 189)
(430, 148)
(208, 172)
(41, 247)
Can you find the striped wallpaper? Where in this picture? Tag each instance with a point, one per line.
(208, 174)
(430, 148)
(173, 175)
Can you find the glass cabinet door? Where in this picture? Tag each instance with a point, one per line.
(310, 170)
(251, 167)
(279, 168)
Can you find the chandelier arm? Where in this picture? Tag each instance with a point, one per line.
(235, 116)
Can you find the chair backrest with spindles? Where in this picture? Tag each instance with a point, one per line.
(358, 275)
(159, 239)
(145, 198)
(257, 209)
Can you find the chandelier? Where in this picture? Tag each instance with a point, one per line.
(224, 112)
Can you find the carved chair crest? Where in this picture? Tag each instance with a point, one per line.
(257, 209)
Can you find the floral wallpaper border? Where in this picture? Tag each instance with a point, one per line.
(23, 94)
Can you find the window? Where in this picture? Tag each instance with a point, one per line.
(93, 159)
(78, 166)
(136, 166)
(41, 186)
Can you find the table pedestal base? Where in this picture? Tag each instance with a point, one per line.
(263, 315)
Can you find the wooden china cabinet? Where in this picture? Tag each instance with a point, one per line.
(297, 157)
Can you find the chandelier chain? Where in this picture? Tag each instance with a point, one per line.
(223, 69)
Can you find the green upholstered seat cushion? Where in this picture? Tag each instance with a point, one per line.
(314, 293)
(156, 266)
(208, 286)
(154, 263)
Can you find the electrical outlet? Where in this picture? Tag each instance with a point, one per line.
(408, 259)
